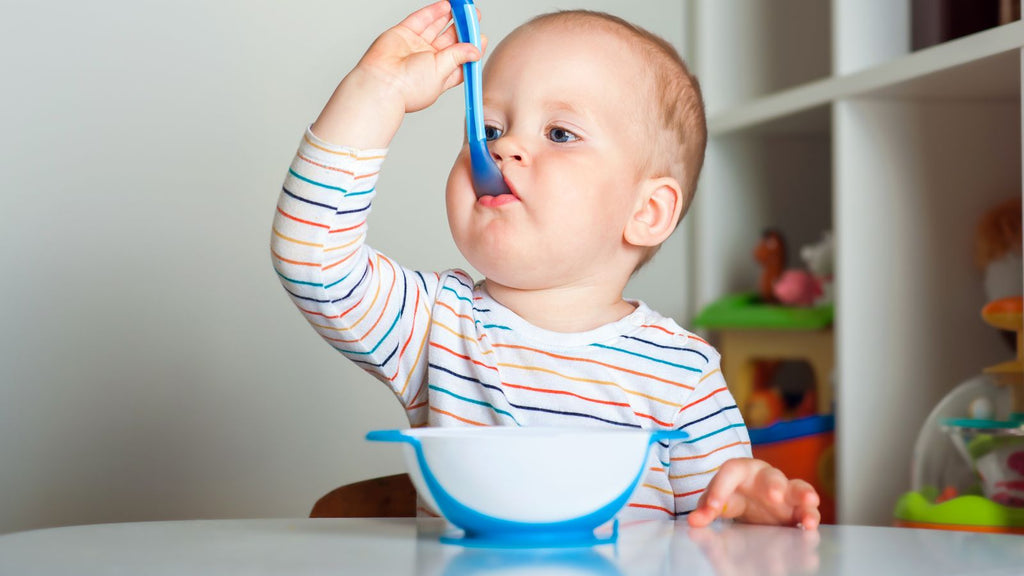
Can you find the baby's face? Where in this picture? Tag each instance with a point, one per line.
(564, 113)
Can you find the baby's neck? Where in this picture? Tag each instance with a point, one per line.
(563, 309)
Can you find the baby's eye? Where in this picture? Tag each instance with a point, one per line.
(561, 135)
(492, 133)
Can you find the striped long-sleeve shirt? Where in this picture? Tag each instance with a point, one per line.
(456, 357)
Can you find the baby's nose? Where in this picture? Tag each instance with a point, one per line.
(498, 157)
(506, 149)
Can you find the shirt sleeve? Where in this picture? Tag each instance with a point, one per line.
(716, 434)
(359, 301)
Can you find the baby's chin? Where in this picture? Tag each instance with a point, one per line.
(517, 272)
(495, 264)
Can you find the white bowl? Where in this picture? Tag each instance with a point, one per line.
(530, 486)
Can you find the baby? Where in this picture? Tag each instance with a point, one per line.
(598, 128)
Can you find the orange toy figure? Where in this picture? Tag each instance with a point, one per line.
(770, 252)
(765, 404)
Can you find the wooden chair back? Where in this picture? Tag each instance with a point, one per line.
(384, 497)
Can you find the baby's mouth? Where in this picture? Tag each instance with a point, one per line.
(501, 200)
(495, 201)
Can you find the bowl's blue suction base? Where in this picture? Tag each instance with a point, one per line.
(530, 539)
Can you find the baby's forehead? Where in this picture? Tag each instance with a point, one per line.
(580, 42)
(583, 26)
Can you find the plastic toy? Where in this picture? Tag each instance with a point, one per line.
(748, 332)
(968, 471)
(795, 286)
(770, 252)
(820, 261)
(780, 393)
(765, 404)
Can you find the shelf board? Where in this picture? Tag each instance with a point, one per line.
(985, 65)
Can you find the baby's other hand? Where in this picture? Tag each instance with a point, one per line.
(420, 58)
(753, 491)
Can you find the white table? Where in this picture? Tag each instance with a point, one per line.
(411, 547)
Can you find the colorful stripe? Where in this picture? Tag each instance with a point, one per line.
(595, 361)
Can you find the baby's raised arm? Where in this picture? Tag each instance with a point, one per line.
(405, 70)
(362, 303)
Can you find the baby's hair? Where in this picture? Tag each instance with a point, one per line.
(679, 131)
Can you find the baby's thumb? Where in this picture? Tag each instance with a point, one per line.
(451, 59)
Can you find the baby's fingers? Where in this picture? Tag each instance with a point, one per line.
(805, 502)
(705, 513)
(721, 497)
(731, 477)
(443, 34)
(428, 21)
(785, 501)
(450, 61)
(771, 485)
(809, 518)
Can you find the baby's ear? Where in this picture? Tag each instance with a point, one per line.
(655, 212)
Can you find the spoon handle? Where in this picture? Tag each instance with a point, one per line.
(468, 30)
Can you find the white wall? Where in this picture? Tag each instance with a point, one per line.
(151, 366)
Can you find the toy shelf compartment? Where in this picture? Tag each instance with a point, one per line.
(899, 153)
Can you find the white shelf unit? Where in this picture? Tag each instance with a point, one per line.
(821, 118)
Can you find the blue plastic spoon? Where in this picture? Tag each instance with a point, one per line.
(487, 178)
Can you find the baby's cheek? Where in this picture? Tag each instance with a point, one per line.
(459, 181)
(459, 198)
